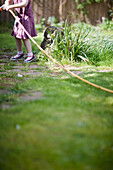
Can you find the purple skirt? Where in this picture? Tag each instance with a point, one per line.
(25, 16)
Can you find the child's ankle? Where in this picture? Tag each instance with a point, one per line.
(19, 52)
(30, 54)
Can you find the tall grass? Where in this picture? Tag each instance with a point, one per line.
(106, 25)
(82, 42)
(71, 45)
(100, 48)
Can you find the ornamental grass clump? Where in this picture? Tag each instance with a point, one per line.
(71, 45)
(82, 42)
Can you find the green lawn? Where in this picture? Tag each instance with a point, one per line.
(70, 127)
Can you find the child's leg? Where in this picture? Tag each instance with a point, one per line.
(27, 44)
(19, 45)
(19, 50)
(28, 47)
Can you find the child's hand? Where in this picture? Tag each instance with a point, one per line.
(7, 7)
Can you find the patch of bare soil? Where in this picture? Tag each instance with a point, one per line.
(6, 105)
(23, 73)
(18, 67)
(103, 71)
(32, 96)
(4, 58)
(32, 73)
(4, 91)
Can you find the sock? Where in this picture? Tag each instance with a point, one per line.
(30, 54)
(19, 52)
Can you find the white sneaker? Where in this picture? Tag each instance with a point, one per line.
(29, 59)
(17, 57)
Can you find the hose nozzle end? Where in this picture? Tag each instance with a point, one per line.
(2, 8)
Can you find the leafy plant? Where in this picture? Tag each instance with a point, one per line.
(81, 42)
(71, 45)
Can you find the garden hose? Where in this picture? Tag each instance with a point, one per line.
(68, 71)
